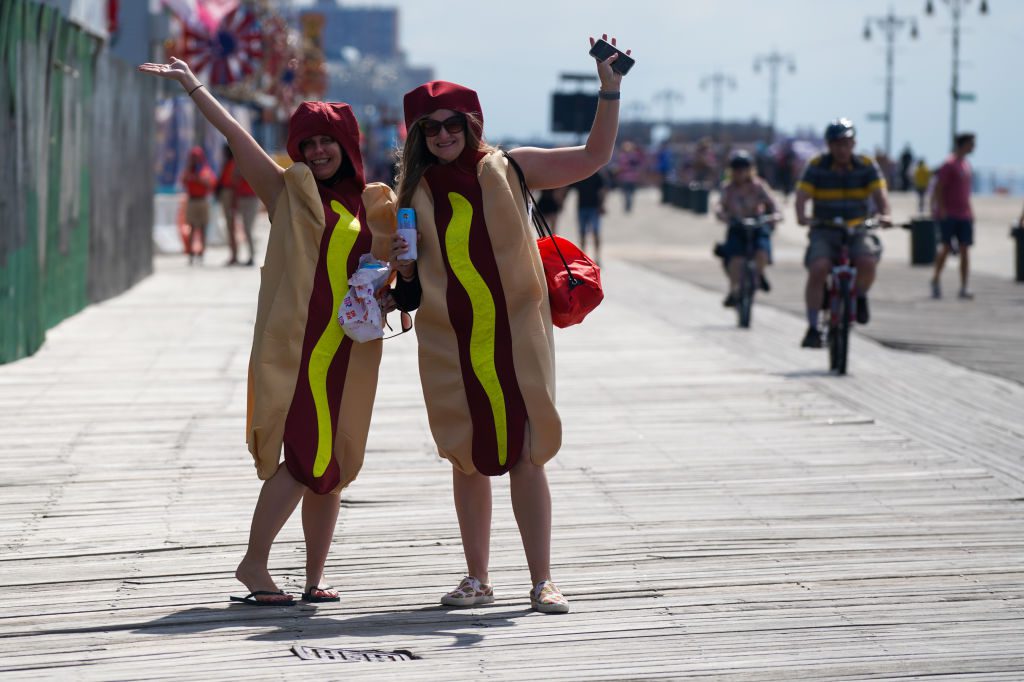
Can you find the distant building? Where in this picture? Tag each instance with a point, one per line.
(373, 31)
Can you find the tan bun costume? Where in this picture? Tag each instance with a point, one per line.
(486, 351)
(311, 389)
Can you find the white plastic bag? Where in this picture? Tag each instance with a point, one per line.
(360, 314)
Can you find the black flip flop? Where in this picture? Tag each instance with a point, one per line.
(251, 599)
(312, 598)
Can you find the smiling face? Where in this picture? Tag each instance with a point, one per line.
(445, 145)
(323, 155)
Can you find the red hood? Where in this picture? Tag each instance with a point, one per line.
(197, 157)
(435, 95)
(333, 119)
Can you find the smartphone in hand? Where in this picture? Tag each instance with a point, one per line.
(602, 50)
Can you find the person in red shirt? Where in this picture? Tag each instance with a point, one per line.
(238, 200)
(951, 206)
(199, 182)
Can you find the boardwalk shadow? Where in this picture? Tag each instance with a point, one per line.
(465, 628)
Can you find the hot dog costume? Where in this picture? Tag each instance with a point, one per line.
(486, 350)
(311, 389)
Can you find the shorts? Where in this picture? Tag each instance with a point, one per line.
(590, 221)
(736, 242)
(197, 212)
(827, 243)
(959, 229)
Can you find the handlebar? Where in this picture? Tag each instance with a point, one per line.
(840, 224)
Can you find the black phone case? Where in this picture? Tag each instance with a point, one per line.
(603, 50)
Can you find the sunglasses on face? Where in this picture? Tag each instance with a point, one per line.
(453, 124)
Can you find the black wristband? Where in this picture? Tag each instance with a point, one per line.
(194, 89)
(609, 95)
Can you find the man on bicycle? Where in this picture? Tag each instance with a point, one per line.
(849, 187)
(745, 196)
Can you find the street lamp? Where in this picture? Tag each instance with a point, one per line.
(667, 97)
(717, 81)
(956, 8)
(890, 25)
(774, 60)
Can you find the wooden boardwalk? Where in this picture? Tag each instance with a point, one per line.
(723, 508)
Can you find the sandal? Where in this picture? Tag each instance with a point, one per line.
(470, 592)
(317, 595)
(547, 598)
(253, 598)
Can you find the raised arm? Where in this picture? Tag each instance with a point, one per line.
(261, 172)
(549, 168)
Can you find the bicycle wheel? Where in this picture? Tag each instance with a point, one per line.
(842, 330)
(745, 305)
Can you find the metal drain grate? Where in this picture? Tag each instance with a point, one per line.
(320, 653)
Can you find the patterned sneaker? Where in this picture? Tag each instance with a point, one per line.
(470, 592)
(547, 598)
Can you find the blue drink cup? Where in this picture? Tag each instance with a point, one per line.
(407, 229)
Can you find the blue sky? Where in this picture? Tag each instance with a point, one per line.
(511, 52)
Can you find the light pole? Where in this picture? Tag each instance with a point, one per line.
(774, 60)
(956, 8)
(717, 81)
(890, 25)
(667, 97)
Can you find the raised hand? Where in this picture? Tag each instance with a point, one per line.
(610, 79)
(176, 70)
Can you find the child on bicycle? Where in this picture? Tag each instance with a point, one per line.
(745, 196)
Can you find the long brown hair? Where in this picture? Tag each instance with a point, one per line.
(413, 159)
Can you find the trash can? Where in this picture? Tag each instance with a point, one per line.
(1018, 235)
(923, 240)
(698, 198)
(666, 192)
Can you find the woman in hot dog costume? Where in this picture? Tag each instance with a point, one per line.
(484, 325)
(310, 388)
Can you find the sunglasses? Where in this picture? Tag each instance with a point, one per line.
(406, 319)
(453, 124)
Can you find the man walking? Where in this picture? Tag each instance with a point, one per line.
(951, 206)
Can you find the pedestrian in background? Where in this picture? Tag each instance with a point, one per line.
(200, 182)
(922, 178)
(247, 206)
(629, 168)
(590, 194)
(549, 203)
(226, 197)
(951, 206)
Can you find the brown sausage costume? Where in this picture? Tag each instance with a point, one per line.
(486, 349)
(311, 389)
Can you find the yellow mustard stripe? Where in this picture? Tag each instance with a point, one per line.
(342, 240)
(806, 187)
(859, 193)
(482, 335)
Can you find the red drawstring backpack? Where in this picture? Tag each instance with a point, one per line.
(574, 280)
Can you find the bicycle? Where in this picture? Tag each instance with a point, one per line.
(840, 300)
(750, 281)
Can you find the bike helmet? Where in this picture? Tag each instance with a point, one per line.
(839, 129)
(740, 159)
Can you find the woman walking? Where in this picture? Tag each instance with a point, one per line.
(484, 323)
(311, 389)
(199, 181)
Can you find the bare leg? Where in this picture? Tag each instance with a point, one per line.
(473, 507)
(816, 275)
(761, 259)
(277, 500)
(940, 261)
(735, 269)
(531, 503)
(965, 266)
(319, 517)
(866, 267)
